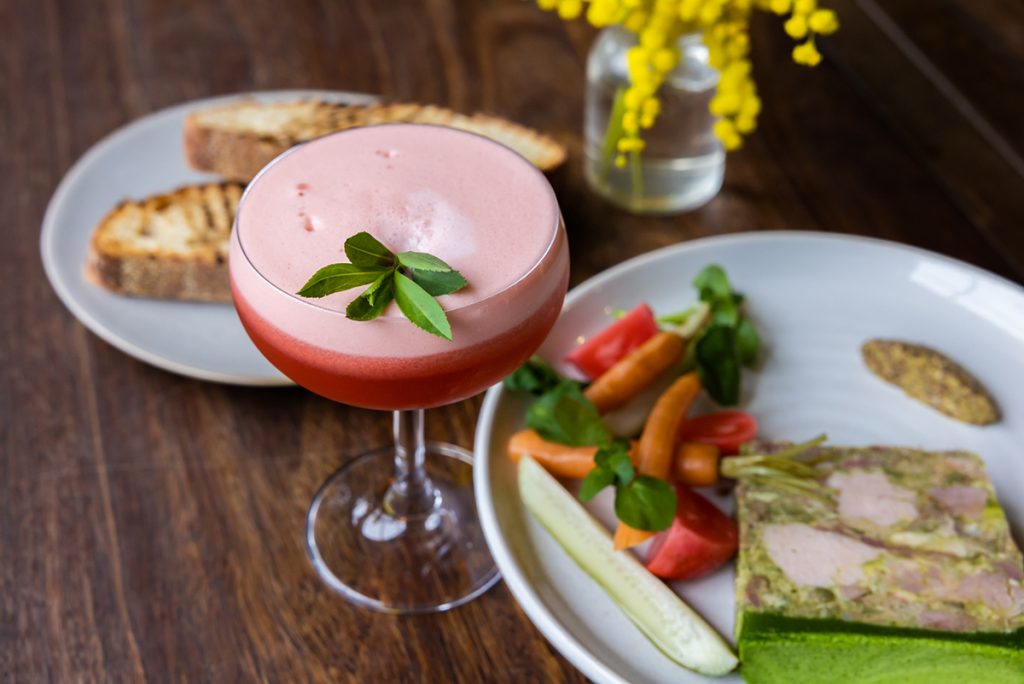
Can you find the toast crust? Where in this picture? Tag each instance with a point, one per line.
(238, 140)
(185, 258)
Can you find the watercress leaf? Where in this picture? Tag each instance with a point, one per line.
(438, 283)
(748, 342)
(718, 364)
(646, 503)
(622, 467)
(421, 261)
(603, 456)
(338, 277)
(614, 457)
(535, 376)
(725, 312)
(712, 283)
(362, 249)
(596, 480)
(565, 416)
(374, 299)
(419, 307)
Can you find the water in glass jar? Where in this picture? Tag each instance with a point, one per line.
(683, 162)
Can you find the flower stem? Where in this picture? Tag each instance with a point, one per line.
(613, 133)
(637, 172)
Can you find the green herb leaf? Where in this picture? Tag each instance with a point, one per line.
(419, 307)
(615, 457)
(374, 299)
(712, 283)
(748, 342)
(725, 312)
(611, 467)
(646, 503)
(718, 364)
(421, 261)
(596, 480)
(535, 376)
(362, 249)
(438, 283)
(338, 277)
(565, 416)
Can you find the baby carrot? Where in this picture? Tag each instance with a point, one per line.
(656, 447)
(558, 459)
(696, 464)
(635, 371)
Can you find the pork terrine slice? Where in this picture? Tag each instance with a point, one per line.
(896, 566)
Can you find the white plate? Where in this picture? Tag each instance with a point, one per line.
(203, 341)
(815, 298)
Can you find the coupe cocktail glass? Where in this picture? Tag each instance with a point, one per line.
(396, 529)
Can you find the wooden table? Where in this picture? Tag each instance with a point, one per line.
(151, 525)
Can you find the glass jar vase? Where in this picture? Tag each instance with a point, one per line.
(683, 163)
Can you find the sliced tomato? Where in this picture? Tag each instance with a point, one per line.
(595, 356)
(701, 539)
(727, 430)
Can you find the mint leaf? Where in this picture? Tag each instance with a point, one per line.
(646, 503)
(718, 364)
(438, 283)
(535, 376)
(362, 249)
(748, 342)
(421, 261)
(596, 480)
(338, 277)
(712, 283)
(419, 307)
(565, 416)
(374, 299)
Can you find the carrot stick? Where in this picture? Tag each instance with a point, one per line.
(656, 447)
(635, 371)
(558, 459)
(696, 464)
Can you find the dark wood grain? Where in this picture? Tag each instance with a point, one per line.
(150, 525)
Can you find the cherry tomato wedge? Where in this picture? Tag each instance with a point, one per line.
(595, 356)
(727, 430)
(701, 539)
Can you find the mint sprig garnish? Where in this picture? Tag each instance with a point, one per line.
(411, 279)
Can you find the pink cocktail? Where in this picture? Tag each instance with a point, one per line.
(490, 215)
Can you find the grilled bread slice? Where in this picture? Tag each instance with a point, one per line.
(171, 246)
(238, 140)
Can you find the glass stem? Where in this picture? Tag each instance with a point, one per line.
(411, 492)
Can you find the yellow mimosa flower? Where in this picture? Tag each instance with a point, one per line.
(806, 54)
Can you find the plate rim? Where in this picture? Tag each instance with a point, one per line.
(49, 231)
(539, 613)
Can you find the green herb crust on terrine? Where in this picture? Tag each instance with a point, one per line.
(898, 567)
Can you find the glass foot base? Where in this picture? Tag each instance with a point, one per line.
(401, 564)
